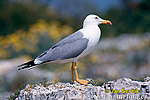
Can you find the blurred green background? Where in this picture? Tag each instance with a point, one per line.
(29, 27)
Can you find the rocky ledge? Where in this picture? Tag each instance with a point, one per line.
(125, 88)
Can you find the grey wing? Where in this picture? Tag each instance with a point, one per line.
(69, 39)
(70, 47)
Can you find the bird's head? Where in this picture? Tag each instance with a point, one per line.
(95, 20)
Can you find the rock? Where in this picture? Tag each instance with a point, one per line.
(124, 88)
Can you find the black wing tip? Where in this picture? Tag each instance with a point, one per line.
(27, 65)
(21, 65)
(19, 68)
(22, 68)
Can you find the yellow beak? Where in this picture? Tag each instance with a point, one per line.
(106, 22)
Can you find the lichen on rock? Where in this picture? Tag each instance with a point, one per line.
(124, 88)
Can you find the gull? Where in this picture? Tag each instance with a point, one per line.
(73, 47)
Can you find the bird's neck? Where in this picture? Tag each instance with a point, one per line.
(93, 30)
(89, 25)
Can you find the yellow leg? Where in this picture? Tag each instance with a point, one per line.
(84, 82)
(72, 69)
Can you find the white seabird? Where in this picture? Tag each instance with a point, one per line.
(73, 47)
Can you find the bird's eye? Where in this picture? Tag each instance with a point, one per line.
(96, 17)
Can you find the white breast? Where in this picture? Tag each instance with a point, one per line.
(93, 34)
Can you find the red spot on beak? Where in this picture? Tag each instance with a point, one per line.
(106, 22)
(109, 23)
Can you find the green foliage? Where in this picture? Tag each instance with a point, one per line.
(126, 19)
(32, 42)
(20, 15)
(16, 94)
(97, 82)
(130, 20)
(141, 79)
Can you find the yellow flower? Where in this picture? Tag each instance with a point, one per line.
(28, 40)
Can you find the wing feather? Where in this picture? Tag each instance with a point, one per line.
(70, 47)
